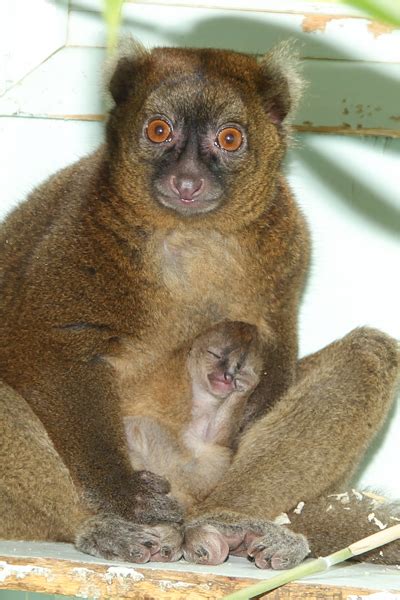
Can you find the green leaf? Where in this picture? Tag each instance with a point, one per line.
(387, 11)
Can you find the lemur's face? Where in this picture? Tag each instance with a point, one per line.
(227, 358)
(194, 125)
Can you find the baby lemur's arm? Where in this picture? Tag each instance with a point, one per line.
(224, 365)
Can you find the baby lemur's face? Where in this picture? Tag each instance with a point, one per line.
(227, 358)
(196, 130)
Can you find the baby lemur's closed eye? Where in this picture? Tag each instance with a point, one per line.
(224, 366)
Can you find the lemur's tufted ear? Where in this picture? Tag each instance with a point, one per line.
(123, 69)
(281, 84)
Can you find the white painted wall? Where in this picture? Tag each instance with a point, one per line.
(348, 186)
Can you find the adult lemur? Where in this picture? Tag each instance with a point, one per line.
(180, 221)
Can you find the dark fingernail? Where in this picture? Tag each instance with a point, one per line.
(256, 549)
(201, 552)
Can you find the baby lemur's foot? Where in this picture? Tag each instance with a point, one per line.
(111, 537)
(210, 539)
(227, 358)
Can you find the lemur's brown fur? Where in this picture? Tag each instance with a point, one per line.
(120, 260)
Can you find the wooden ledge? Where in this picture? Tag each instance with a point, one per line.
(60, 569)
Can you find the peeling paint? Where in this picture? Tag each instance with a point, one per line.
(174, 585)
(88, 588)
(82, 572)
(394, 117)
(378, 29)
(312, 23)
(376, 596)
(122, 572)
(21, 571)
(346, 129)
(89, 591)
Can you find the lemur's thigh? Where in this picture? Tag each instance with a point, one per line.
(37, 497)
(316, 434)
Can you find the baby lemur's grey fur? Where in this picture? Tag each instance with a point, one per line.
(224, 365)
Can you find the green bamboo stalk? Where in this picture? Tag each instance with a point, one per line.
(319, 564)
(112, 17)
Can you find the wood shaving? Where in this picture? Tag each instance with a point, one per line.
(343, 498)
(282, 519)
(299, 508)
(357, 494)
(375, 521)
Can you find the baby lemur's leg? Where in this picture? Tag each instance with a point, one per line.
(311, 441)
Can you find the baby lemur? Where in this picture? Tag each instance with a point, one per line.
(181, 220)
(224, 365)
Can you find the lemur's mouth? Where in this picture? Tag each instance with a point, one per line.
(189, 206)
(221, 382)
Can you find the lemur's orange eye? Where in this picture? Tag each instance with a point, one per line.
(229, 138)
(159, 131)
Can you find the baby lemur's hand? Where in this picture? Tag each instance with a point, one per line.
(151, 502)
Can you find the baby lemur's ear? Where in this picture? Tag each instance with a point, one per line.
(281, 81)
(122, 69)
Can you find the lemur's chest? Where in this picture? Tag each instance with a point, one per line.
(206, 277)
(201, 268)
